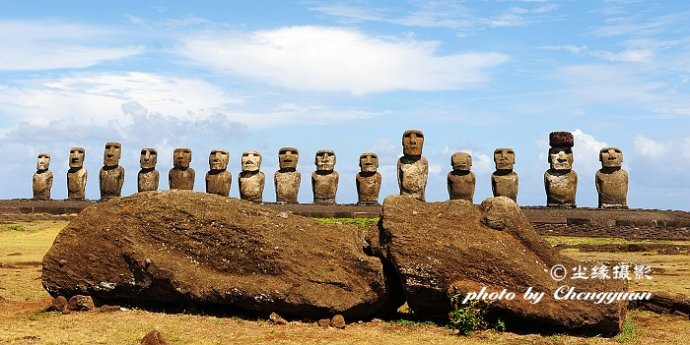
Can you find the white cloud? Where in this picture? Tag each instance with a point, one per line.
(436, 14)
(41, 45)
(567, 47)
(628, 55)
(99, 97)
(649, 147)
(586, 151)
(337, 59)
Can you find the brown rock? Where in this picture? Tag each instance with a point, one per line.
(338, 321)
(324, 323)
(368, 180)
(80, 303)
(112, 175)
(148, 176)
(276, 319)
(77, 174)
(287, 179)
(463, 251)
(187, 248)
(153, 338)
(181, 176)
(59, 303)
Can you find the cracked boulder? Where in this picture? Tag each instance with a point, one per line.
(182, 249)
(445, 250)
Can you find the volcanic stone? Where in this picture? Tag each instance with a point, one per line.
(444, 249)
(187, 248)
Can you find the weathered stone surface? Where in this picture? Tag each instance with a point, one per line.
(80, 303)
(324, 323)
(42, 180)
(77, 174)
(181, 176)
(148, 177)
(287, 184)
(153, 338)
(251, 180)
(368, 180)
(412, 167)
(504, 181)
(446, 248)
(611, 180)
(337, 321)
(324, 181)
(287, 179)
(59, 304)
(186, 248)
(218, 179)
(461, 181)
(560, 181)
(276, 319)
(112, 175)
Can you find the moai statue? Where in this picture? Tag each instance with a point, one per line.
(461, 179)
(611, 180)
(287, 179)
(218, 179)
(181, 176)
(368, 179)
(324, 181)
(504, 181)
(77, 174)
(112, 175)
(148, 177)
(251, 180)
(413, 169)
(43, 178)
(560, 181)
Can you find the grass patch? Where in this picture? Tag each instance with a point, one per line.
(628, 333)
(361, 222)
(471, 317)
(412, 323)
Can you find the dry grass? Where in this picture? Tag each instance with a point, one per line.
(22, 320)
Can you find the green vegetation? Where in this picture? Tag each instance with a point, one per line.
(361, 222)
(628, 333)
(471, 317)
(412, 323)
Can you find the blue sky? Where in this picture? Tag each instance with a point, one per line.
(350, 76)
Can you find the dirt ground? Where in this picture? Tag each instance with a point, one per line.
(23, 319)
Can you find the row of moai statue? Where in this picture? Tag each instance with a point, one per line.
(218, 180)
(560, 180)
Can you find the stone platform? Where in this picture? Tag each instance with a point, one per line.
(584, 222)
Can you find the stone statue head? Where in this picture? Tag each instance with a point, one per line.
(148, 158)
(461, 161)
(413, 142)
(218, 159)
(43, 162)
(368, 162)
(561, 152)
(251, 161)
(112, 153)
(325, 160)
(611, 157)
(504, 157)
(288, 157)
(76, 157)
(182, 156)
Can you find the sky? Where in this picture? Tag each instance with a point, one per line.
(350, 76)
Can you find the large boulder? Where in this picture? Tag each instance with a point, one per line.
(445, 249)
(181, 248)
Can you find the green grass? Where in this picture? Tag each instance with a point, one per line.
(361, 222)
(628, 334)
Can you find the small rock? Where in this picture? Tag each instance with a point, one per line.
(338, 321)
(80, 303)
(324, 323)
(153, 338)
(283, 214)
(109, 308)
(276, 319)
(59, 304)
